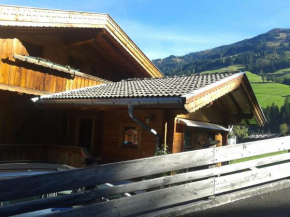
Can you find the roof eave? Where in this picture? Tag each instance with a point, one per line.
(23, 17)
(201, 97)
(205, 95)
(258, 112)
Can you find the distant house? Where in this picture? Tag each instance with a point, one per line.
(50, 51)
(128, 119)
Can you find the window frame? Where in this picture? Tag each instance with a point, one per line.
(123, 127)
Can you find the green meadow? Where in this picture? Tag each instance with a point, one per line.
(266, 92)
(281, 71)
(225, 69)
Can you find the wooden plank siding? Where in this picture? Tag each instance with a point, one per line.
(14, 74)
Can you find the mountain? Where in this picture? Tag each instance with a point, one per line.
(264, 53)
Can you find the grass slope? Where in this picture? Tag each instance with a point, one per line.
(266, 92)
(281, 71)
(225, 69)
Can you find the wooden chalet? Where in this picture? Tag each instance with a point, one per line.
(129, 119)
(50, 51)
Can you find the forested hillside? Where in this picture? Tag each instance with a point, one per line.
(264, 53)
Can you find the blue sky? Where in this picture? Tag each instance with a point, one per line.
(177, 27)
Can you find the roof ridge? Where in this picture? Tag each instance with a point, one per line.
(179, 76)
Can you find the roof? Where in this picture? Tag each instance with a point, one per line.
(190, 92)
(171, 86)
(15, 16)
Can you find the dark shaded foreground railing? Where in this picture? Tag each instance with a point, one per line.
(193, 180)
(69, 155)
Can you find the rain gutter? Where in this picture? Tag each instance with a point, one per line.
(112, 101)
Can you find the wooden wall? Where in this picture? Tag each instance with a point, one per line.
(112, 150)
(41, 126)
(212, 114)
(20, 74)
(24, 123)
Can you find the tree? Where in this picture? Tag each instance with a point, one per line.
(283, 129)
(263, 78)
(241, 131)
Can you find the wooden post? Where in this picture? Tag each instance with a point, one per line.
(218, 137)
(165, 135)
(225, 138)
(178, 138)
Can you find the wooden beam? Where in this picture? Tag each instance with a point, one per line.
(102, 57)
(240, 112)
(250, 178)
(221, 105)
(81, 42)
(236, 104)
(77, 37)
(123, 59)
(134, 205)
(130, 206)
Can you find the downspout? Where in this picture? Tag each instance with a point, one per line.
(131, 107)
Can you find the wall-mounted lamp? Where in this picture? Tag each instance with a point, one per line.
(149, 119)
(209, 104)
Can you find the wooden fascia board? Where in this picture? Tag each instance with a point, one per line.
(253, 102)
(132, 49)
(23, 17)
(206, 95)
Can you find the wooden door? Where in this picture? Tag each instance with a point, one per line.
(85, 133)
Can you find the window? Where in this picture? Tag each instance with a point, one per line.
(85, 133)
(130, 135)
(33, 49)
(187, 146)
(63, 127)
(75, 62)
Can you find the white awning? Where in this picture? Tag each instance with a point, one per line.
(199, 124)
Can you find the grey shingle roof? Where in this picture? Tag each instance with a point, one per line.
(174, 86)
